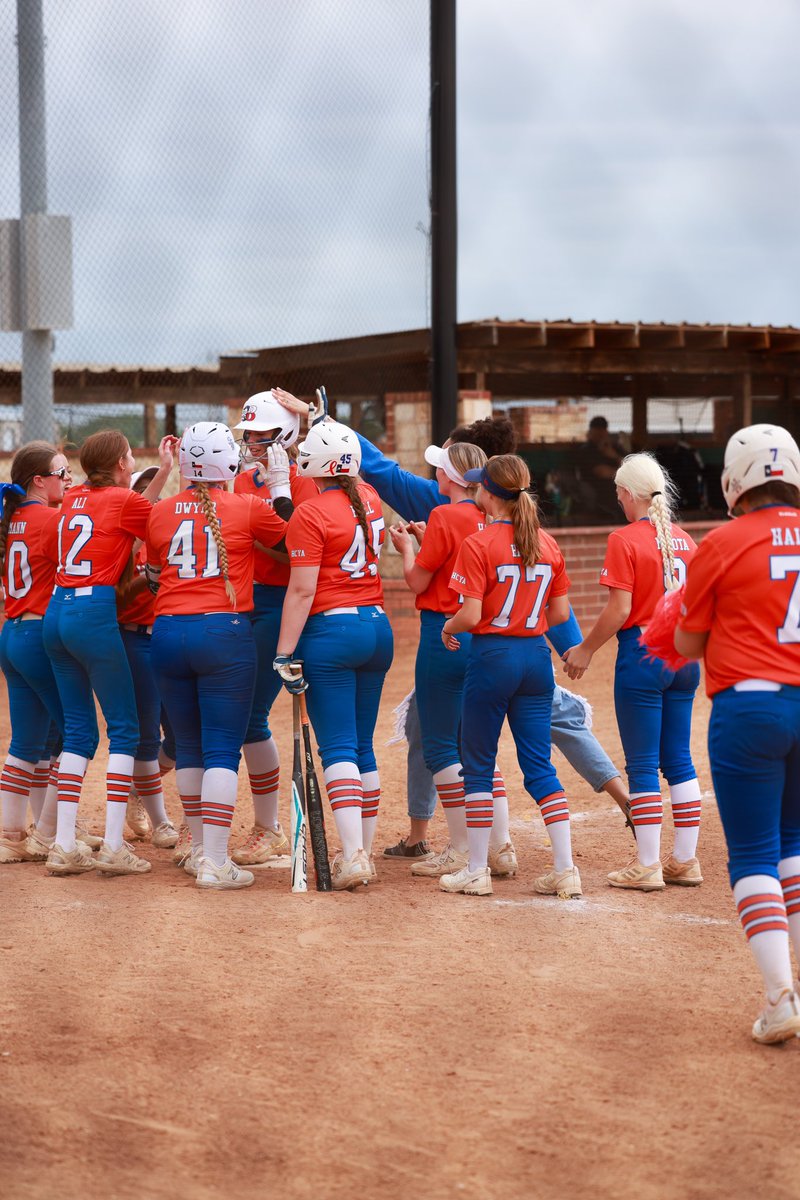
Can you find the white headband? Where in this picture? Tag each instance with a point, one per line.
(435, 456)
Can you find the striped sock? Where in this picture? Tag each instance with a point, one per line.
(685, 799)
(189, 781)
(46, 824)
(263, 769)
(16, 781)
(789, 871)
(41, 779)
(449, 784)
(371, 784)
(501, 832)
(346, 796)
(149, 789)
(647, 814)
(119, 775)
(218, 798)
(479, 812)
(759, 901)
(555, 813)
(71, 771)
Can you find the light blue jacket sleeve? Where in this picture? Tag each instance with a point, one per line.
(411, 496)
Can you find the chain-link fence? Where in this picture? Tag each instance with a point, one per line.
(237, 176)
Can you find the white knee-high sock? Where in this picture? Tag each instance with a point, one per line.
(264, 770)
(789, 871)
(501, 832)
(555, 813)
(346, 796)
(147, 781)
(449, 784)
(685, 800)
(759, 901)
(46, 825)
(478, 818)
(218, 798)
(371, 785)
(119, 775)
(647, 814)
(71, 771)
(189, 781)
(41, 779)
(16, 781)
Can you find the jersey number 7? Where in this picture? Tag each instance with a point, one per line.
(781, 565)
(542, 573)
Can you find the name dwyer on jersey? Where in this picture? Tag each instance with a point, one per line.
(192, 507)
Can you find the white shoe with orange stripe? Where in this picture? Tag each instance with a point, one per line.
(260, 846)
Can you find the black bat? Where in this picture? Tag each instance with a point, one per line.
(298, 821)
(316, 820)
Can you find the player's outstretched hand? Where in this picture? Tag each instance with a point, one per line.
(289, 401)
(166, 450)
(291, 672)
(276, 471)
(576, 660)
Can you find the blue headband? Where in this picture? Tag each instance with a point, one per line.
(9, 487)
(481, 475)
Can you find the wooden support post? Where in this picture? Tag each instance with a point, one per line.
(150, 425)
(639, 404)
(171, 419)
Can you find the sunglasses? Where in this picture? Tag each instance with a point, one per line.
(61, 473)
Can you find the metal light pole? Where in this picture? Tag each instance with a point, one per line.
(444, 221)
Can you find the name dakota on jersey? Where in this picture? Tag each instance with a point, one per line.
(677, 543)
(786, 537)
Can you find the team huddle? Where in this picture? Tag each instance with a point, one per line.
(183, 617)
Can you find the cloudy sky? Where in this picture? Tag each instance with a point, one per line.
(244, 173)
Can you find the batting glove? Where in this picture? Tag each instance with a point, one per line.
(291, 672)
(277, 472)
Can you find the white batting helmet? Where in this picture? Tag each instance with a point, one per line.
(208, 452)
(329, 449)
(262, 412)
(757, 455)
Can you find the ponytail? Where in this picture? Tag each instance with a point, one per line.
(661, 518)
(644, 477)
(207, 505)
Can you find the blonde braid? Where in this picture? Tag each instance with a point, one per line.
(661, 518)
(207, 505)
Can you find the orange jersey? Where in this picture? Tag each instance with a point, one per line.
(325, 533)
(447, 528)
(31, 557)
(514, 596)
(268, 571)
(634, 564)
(96, 531)
(744, 590)
(141, 609)
(180, 542)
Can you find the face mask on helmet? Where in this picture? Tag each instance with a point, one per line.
(266, 423)
(756, 455)
(330, 449)
(208, 452)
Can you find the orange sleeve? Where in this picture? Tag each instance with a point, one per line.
(699, 602)
(305, 537)
(265, 524)
(469, 573)
(437, 543)
(134, 514)
(618, 570)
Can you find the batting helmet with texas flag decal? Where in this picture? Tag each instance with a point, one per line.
(208, 452)
(329, 449)
(756, 455)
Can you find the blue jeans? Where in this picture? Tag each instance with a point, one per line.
(266, 621)
(206, 671)
(145, 688)
(654, 715)
(82, 637)
(345, 660)
(754, 750)
(439, 681)
(33, 699)
(508, 677)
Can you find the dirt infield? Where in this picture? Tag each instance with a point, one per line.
(157, 1041)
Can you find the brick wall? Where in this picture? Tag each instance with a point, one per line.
(584, 550)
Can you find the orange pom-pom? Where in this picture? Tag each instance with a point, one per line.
(658, 638)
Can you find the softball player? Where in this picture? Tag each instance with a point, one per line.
(201, 546)
(334, 624)
(135, 614)
(512, 578)
(415, 499)
(29, 506)
(439, 675)
(97, 526)
(653, 704)
(266, 424)
(741, 612)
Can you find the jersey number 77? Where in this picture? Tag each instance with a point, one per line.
(510, 573)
